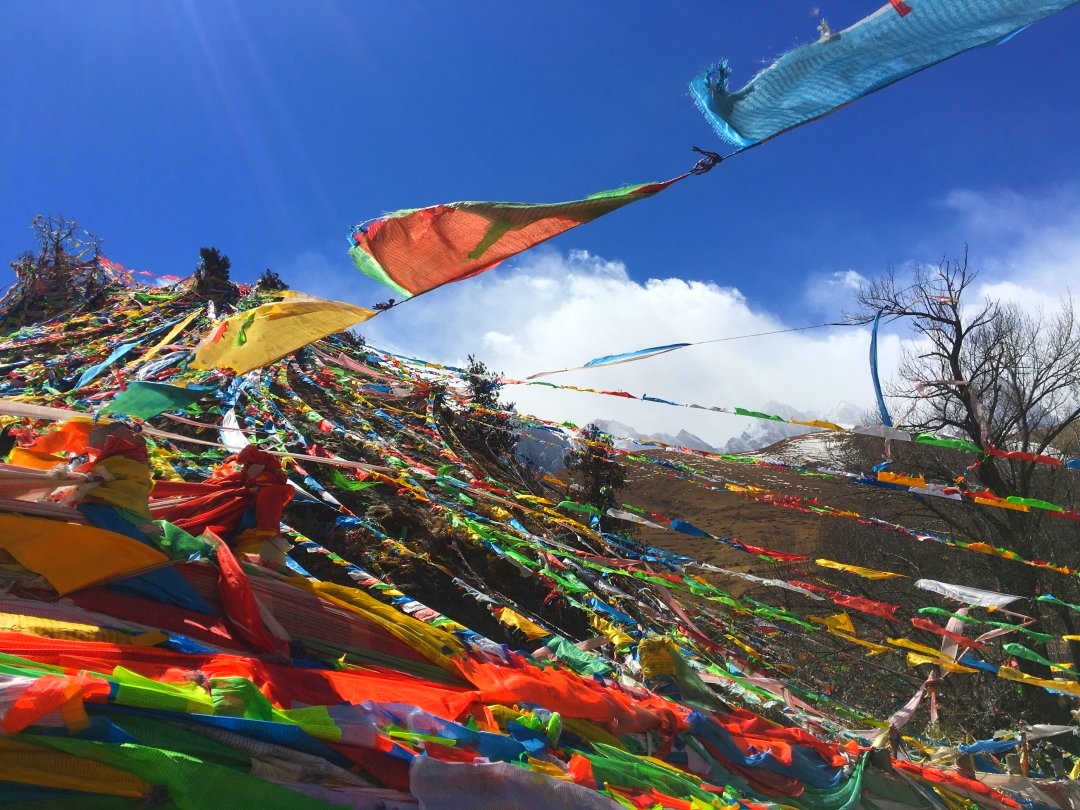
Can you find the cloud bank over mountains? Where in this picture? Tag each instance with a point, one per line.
(553, 311)
(550, 310)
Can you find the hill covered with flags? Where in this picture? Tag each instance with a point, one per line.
(248, 559)
(329, 581)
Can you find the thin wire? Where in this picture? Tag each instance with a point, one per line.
(656, 351)
(775, 332)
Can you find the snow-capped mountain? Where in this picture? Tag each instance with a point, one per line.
(760, 433)
(623, 431)
(757, 433)
(544, 449)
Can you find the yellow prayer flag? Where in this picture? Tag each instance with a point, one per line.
(617, 637)
(914, 645)
(71, 555)
(655, 655)
(984, 548)
(1068, 687)
(40, 765)
(548, 769)
(1001, 503)
(875, 649)
(839, 621)
(903, 480)
(257, 337)
(127, 485)
(865, 573)
(433, 643)
(738, 643)
(915, 660)
(56, 628)
(816, 423)
(531, 630)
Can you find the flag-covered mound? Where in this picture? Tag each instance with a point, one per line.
(208, 585)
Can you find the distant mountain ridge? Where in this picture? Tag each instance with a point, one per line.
(544, 448)
(683, 438)
(758, 433)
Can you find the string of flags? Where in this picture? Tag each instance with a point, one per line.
(274, 408)
(168, 638)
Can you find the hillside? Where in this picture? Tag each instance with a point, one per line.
(397, 558)
(794, 497)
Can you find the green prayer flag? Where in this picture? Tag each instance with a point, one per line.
(351, 484)
(759, 415)
(580, 661)
(1035, 503)
(144, 400)
(1020, 651)
(951, 444)
(580, 507)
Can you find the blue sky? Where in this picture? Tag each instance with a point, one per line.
(268, 129)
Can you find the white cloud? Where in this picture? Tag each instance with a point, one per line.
(823, 292)
(1026, 247)
(553, 311)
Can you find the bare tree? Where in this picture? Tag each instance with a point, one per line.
(1004, 380)
(63, 272)
(995, 376)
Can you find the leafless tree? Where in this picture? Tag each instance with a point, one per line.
(1002, 379)
(62, 272)
(993, 375)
